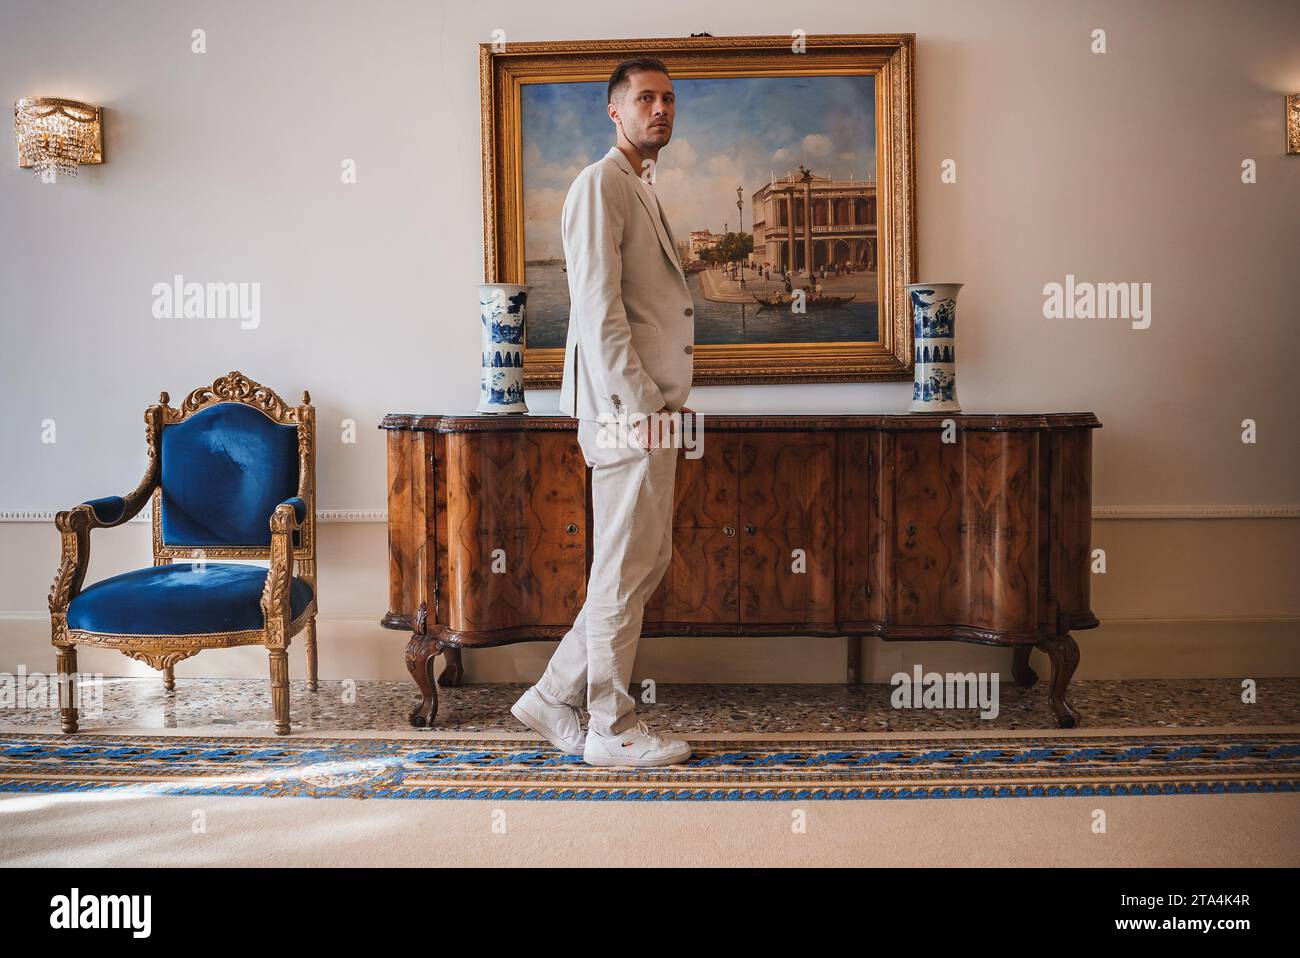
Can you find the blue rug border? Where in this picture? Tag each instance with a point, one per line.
(306, 752)
(1110, 790)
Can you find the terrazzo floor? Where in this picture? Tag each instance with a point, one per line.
(142, 703)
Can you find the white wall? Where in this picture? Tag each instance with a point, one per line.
(226, 167)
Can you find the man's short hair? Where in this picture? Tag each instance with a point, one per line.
(619, 78)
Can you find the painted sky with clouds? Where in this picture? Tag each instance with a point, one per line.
(727, 132)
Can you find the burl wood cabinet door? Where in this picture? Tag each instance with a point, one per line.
(860, 593)
(517, 529)
(965, 530)
(752, 533)
(786, 534)
(701, 584)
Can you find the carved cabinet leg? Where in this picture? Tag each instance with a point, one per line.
(452, 671)
(67, 656)
(1021, 671)
(421, 653)
(1064, 653)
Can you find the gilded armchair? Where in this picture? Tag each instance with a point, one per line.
(231, 474)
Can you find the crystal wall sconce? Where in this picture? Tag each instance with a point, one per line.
(55, 136)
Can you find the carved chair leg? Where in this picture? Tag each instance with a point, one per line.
(67, 656)
(311, 654)
(1021, 670)
(452, 672)
(421, 653)
(169, 678)
(280, 689)
(1064, 653)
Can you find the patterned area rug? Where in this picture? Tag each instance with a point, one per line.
(802, 769)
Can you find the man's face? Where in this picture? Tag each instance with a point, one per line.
(645, 109)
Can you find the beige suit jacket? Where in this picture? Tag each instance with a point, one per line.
(631, 343)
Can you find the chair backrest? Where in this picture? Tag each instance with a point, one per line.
(224, 470)
(231, 454)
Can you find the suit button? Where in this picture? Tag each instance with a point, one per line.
(689, 311)
(689, 349)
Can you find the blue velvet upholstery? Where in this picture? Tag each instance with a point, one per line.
(180, 599)
(224, 470)
(299, 508)
(107, 510)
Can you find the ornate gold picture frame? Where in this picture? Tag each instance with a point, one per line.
(885, 247)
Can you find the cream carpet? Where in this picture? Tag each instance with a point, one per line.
(1216, 830)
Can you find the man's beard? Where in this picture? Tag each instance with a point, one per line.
(656, 137)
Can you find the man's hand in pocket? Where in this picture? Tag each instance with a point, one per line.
(654, 430)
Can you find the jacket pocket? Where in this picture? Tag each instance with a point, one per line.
(645, 340)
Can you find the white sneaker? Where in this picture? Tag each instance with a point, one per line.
(636, 746)
(558, 724)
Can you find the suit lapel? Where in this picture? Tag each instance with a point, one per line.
(656, 215)
(672, 242)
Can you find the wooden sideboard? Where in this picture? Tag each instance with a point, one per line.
(906, 536)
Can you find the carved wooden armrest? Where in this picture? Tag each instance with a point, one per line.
(74, 527)
(285, 521)
(75, 524)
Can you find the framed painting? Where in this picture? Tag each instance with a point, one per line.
(789, 184)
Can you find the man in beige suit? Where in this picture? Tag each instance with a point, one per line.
(628, 365)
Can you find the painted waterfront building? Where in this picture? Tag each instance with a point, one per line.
(701, 240)
(843, 222)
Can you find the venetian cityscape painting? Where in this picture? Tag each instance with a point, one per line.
(769, 184)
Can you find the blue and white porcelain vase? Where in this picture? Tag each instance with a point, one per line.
(502, 307)
(934, 317)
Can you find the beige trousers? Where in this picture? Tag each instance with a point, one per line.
(632, 527)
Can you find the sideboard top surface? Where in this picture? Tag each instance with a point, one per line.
(903, 422)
